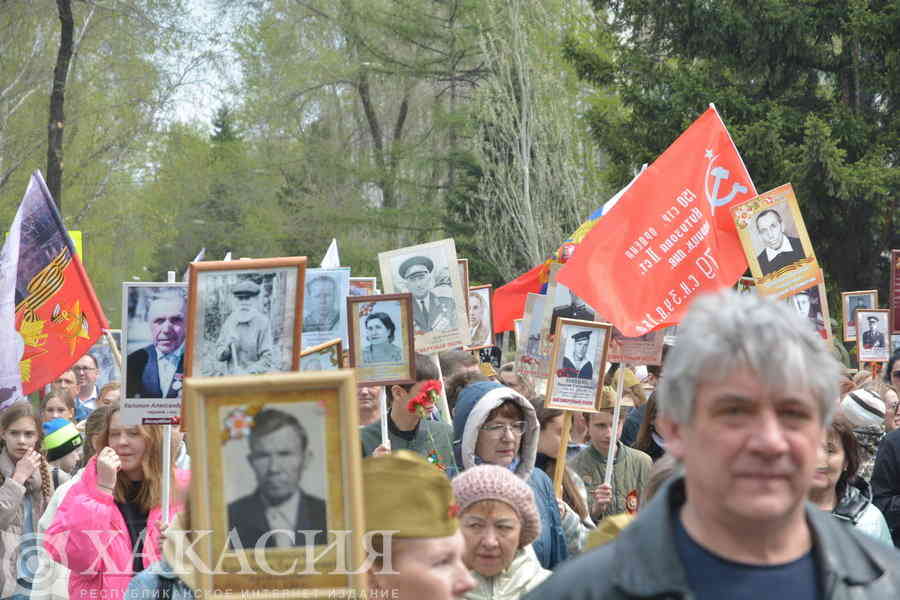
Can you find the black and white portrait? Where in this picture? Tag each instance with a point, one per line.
(481, 326)
(430, 272)
(154, 333)
(579, 361)
(852, 302)
(808, 303)
(363, 286)
(775, 239)
(568, 305)
(276, 477)
(108, 369)
(872, 343)
(532, 360)
(325, 306)
(381, 338)
(245, 321)
(895, 343)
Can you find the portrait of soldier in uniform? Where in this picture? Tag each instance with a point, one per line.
(431, 312)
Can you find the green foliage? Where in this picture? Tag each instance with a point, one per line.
(807, 90)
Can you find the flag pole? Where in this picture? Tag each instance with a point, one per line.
(167, 456)
(115, 349)
(611, 455)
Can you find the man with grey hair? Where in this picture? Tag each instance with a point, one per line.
(748, 391)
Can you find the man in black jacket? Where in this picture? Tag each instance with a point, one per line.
(278, 456)
(747, 425)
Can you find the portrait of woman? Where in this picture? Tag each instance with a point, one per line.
(379, 332)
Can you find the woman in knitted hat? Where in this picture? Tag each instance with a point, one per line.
(406, 494)
(499, 520)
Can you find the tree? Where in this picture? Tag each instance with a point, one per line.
(809, 93)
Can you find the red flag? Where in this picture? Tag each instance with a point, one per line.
(670, 236)
(57, 314)
(508, 302)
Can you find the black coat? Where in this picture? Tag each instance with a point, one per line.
(782, 260)
(643, 563)
(886, 482)
(142, 380)
(248, 516)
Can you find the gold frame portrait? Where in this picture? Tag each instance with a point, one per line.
(239, 572)
(382, 375)
(332, 350)
(850, 319)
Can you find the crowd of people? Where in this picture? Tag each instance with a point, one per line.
(750, 464)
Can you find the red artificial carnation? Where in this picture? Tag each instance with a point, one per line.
(423, 402)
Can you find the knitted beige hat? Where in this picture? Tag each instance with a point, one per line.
(491, 482)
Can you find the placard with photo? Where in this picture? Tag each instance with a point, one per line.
(381, 339)
(324, 357)
(324, 306)
(579, 360)
(850, 303)
(872, 344)
(481, 324)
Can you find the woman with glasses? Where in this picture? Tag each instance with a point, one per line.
(495, 425)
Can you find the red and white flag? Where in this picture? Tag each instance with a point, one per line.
(670, 236)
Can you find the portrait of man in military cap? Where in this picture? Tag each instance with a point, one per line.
(873, 340)
(569, 306)
(430, 311)
(576, 361)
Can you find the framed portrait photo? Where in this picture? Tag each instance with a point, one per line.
(873, 335)
(850, 303)
(895, 343)
(382, 349)
(776, 243)
(531, 361)
(363, 286)
(812, 304)
(464, 277)
(430, 272)
(154, 344)
(245, 316)
(240, 425)
(481, 324)
(324, 357)
(324, 308)
(578, 359)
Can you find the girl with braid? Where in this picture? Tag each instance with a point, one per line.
(26, 488)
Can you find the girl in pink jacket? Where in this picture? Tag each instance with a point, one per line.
(108, 526)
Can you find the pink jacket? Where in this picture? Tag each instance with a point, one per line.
(89, 536)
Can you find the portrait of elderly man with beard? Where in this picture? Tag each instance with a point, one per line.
(279, 455)
(245, 342)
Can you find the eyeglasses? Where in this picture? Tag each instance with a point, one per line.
(498, 429)
(83, 369)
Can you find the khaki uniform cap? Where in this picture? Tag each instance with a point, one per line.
(403, 492)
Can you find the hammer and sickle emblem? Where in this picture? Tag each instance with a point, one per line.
(719, 174)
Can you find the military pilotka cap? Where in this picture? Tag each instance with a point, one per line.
(245, 288)
(405, 493)
(409, 263)
(582, 335)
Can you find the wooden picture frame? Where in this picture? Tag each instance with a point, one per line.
(874, 345)
(212, 301)
(774, 219)
(328, 355)
(482, 335)
(573, 385)
(363, 286)
(430, 272)
(387, 318)
(149, 308)
(464, 277)
(812, 304)
(224, 411)
(850, 302)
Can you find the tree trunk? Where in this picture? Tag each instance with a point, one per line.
(56, 123)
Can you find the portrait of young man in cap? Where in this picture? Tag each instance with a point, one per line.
(245, 345)
(872, 337)
(430, 311)
(577, 363)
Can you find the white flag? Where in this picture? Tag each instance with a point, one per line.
(11, 344)
(331, 260)
(227, 255)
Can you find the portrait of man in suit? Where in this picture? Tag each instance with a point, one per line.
(479, 321)
(577, 364)
(872, 338)
(780, 250)
(320, 307)
(279, 455)
(156, 370)
(575, 309)
(430, 311)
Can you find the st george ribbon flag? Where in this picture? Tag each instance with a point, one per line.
(49, 314)
(670, 237)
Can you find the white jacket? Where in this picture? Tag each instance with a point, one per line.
(523, 574)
